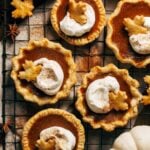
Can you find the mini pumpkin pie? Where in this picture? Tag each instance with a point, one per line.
(108, 97)
(78, 22)
(146, 98)
(129, 32)
(53, 129)
(43, 72)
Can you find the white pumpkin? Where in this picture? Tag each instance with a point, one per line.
(138, 138)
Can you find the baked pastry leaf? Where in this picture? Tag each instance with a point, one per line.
(118, 100)
(22, 8)
(30, 71)
(77, 11)
(135, 26)
(46, 145)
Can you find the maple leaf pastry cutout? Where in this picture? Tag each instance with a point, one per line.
(23, 8)
(30, 71)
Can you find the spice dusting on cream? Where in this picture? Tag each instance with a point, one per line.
(51, 77)
(97, 94)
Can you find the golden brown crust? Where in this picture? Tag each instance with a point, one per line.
(81, 40)
(146, 98)
(112, 45)
(67, 85)
(66, 115)
(131, 112)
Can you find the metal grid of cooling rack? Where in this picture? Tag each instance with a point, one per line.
(96, 53)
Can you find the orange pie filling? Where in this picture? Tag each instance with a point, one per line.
(131, 31)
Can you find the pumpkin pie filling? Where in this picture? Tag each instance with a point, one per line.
(43, 53)
(63, 8)
(47, 122)
(120, 35)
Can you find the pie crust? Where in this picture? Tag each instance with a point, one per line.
(112, 119)
(69, 122)
(121, 46)
(39, 48)
(86, 38)
(146, 98)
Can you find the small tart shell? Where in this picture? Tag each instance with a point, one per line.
(84, 39)
(70, 81)
(70, 118)
(131, 112)
(110, 32)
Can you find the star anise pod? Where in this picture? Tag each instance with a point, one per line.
(4, 128)
(13, 31)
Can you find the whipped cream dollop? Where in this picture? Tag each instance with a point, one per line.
(97, 94)
(64, 139)
(51, 76)
(147, 22)
(141, 42)
(72, 28)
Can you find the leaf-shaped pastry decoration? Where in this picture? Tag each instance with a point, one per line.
(118, 100)
(30, 71)
(46, 145)
(77, 11)
(23, 8)
(135, 26)
(139, 20)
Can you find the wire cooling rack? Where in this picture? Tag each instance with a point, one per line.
(17, 110)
